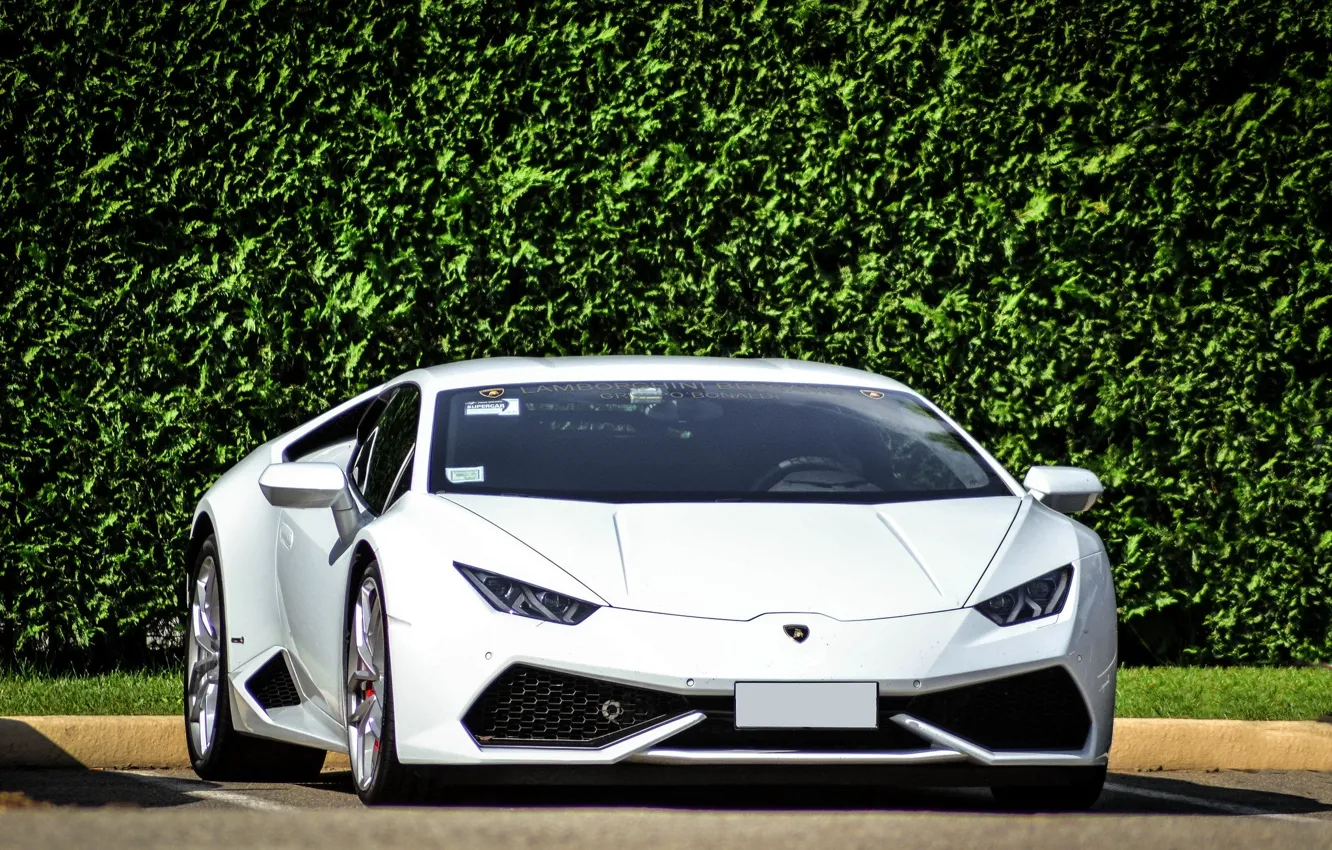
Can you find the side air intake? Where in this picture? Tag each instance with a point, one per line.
(272, 685)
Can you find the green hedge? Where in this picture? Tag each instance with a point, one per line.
(1098, 233)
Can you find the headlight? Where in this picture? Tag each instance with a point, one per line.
(1041, 597)
(525, 600)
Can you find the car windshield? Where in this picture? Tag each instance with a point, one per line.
(651, 441)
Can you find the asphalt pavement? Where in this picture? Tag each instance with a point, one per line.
(110, 810)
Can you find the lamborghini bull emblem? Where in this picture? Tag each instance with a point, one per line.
(493, 392)
(796, 633)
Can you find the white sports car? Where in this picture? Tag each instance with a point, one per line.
(649, 569)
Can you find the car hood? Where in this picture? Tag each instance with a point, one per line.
(737, 561)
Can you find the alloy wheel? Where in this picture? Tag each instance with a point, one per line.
(203, 654)
(365, 683)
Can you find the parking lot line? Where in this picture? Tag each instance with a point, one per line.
(191, 788)
(1203, 803)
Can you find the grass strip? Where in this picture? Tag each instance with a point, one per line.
(24, 694)
(1235, 693)
(1230, 693)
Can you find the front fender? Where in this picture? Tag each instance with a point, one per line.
(245, 528)
(418, 540)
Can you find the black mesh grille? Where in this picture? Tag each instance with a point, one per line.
(1035, 711)
(272, 686)
(532, 707)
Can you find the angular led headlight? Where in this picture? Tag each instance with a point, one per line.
(525, 600)
(1041, 597)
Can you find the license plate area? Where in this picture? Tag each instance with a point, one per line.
(806, 705)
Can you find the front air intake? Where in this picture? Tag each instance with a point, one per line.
(272, 685)
(1034, 711)
(531, 707)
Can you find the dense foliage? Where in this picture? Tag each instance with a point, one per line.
(1098, 233)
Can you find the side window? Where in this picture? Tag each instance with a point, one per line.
(404, 480)
(340, 429)
(386, 449)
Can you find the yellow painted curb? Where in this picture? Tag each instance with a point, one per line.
(1161, 744)
(102, 741)
(1140, 744)
(78, 741)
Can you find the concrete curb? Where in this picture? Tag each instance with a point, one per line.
(1140, 744)
(79, 741)
(102, 742)
(1158, 744)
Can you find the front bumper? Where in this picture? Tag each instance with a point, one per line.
(442, 665)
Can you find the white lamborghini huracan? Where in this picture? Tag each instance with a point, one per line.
(649, 569)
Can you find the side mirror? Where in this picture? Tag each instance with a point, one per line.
(303, 485)
(1067, 489)
(313, 485)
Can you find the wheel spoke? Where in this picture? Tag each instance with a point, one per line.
(205, 608)
(354, 753)
(203, 594)
(196, 684)
(376, 719)
(366, 723)
(365, 649)
(200, 675)
(367, 658)
(203, 640)
(369, 730)
(205, 728)
(360, 713)
(375, 634)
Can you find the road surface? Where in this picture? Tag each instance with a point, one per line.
(142, 810)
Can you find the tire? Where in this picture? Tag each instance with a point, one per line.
(1080, 792)
(217, 751)
(378, 776)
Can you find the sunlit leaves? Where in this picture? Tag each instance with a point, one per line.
(1096, 233)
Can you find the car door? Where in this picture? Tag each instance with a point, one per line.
(312, 563)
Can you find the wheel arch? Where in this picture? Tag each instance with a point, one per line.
(199, 531)
(362, 554)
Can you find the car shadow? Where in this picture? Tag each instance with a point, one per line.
(1164, 793)
(85, 787)
(1125, 794)
(62, 780)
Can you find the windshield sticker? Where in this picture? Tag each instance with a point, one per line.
(493, 392)
(871, 394)
(645, 394)
(499, 407)
(465, 474)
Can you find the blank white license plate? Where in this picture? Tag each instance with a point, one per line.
(806, 705)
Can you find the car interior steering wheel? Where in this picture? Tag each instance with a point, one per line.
(774, 476)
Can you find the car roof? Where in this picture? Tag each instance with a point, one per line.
(541, 370)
